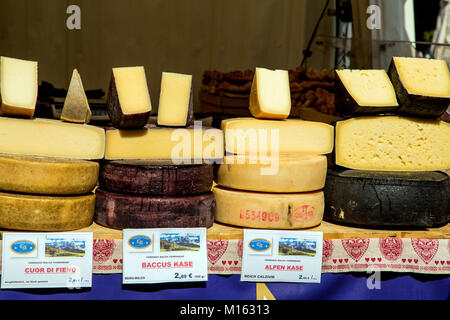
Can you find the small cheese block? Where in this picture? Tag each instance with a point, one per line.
(289, 173)
(268, 137)
(45, 213)
(175, 100)
(422, 86)
(154, 142)
(155, 177)
(45, 175)
(364, 92)
(268, 210)
(52, 138)
(387, 199)
(128, 102)
(18, 87)
(270, 94)
(393, 143)
(121, 211)
(76, 107)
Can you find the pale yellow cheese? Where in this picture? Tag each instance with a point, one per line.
(45, 175)
(270, 94)
(268, 210)
(46, 213)
(52, 138)
(421, 76)
(255, 136)
(18, 87)
(392, 143)
(175, 99)
(164, 143)
(132, 89)
(288, 173)
(369, 87)
(76, 106)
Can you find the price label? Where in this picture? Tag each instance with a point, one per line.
(164, 255)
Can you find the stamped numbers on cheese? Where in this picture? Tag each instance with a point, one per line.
(247, 214)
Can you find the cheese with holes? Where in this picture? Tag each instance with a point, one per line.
(76, 107)
(18, 87)
(268, 210)
(154, 142)
(269, 137)
(270, 94)
(288, 173)
(175, 100)
(422, 86)
(128, 102)
(45, 175)
(393, 143)
(46, 213)
(52, 138)
(364, 92)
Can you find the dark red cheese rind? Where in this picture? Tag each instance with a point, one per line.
(118, 118)
(122, 211)
(155, 177)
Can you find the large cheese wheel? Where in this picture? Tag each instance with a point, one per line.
(44, 175)
(45, 213)
(300, 173)
(155, 177)
(387, 199)
(268, 210)
(121, 211)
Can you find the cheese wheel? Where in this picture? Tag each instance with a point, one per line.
(268, 210)
(155, 177)
(45, 213)
(300, 173)
(121, 211)
(44, 175)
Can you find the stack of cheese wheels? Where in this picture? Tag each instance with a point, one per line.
(155, 176)
(47, 167)
(391, 153)
(275, 168)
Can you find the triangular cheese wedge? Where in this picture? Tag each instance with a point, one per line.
(76, 107)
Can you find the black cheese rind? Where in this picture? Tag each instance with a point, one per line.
(387, 199)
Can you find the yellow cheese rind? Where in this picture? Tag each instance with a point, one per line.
(45, 213)
(52, 138)
(268, 137)
(44, 175)
(76, 106)
(268, 210)
(270, 95)
(18, 87)
(393, 143)
(302, 173)
(164, 143)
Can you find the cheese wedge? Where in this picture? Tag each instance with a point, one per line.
(52, 138)
(76, 107)
(393, 143)
(175, 100)
(270, 95)
(18, 87)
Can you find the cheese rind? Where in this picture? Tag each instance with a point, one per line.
(18, 87)
(45, 213)
(154, 142)
(364, 92)
(175, 100)
(270, 95)
(128, 102)
(52, 138)
(268, 137)
(268, 210)
(300, 173)
(76, 106)
(393, 143)
(44, 175)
